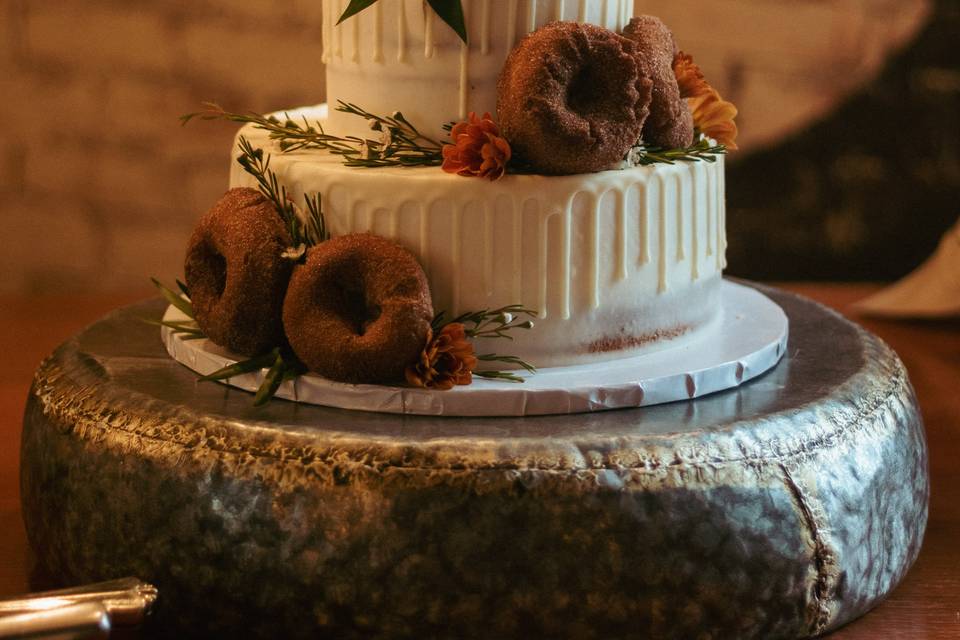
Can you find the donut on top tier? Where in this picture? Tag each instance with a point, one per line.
(572, 98)
(670, 124)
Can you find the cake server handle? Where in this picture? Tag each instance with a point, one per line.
(127, 600)
(83, 621)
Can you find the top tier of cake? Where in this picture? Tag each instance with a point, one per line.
(398, 55)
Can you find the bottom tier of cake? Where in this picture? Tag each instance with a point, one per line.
(614, 263)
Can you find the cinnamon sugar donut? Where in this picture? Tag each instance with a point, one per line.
(572, 98)
(670, 124)
(235, 273)
(358, 310)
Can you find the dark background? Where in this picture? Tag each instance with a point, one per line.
(865, 193)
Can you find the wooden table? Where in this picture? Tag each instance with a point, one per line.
(925, 605)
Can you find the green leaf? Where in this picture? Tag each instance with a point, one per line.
(451, 12)
(355, 7)
(244, 366)
(514, 360)
(186, 328)
(174, 298)
(271, 382)
(506, 376)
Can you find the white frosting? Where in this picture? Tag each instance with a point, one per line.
(614, 262)
(398, 55)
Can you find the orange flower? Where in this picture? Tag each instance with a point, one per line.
(477, 149)
(689, 77)
(447, 360)
(712, 115)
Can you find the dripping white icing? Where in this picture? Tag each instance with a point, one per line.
(355, 52)
(595, 251)
(485, 28)
(394, 222)
(464, 81)
(424, 229)
(566, 223)
(401, 35)
(645, 213)
(722, 179)
(488, 249)
(679, 195)
(378, 32)
(325, 34)
(694, 235)
(709, 211)
(338, 32)
(621, 204)
(718, 218)
(542, 259)
(662, 233)
(511, 25)
(428, 45)
(455, 244)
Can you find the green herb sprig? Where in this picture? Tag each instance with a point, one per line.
(283, 364)
(701, 149)
(399, 144)
(189, 328)
(305, 231)
(493, 323)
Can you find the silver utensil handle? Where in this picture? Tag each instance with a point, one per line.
(126, 600)
(86, 620)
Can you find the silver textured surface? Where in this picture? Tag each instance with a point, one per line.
(783, 508)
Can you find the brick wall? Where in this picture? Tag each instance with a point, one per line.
(100, 186)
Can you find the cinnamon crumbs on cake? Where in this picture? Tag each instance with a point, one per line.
(619, 343)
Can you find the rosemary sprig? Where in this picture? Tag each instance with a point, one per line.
(305, 231)
(283, 366)
(493, 323)
(493, 357)
(508, 376)
(490, 323)
(175, 298)
(189, 328)
(699, 150)
(400, 144)
(243, 366)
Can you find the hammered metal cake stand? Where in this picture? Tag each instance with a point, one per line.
(780, 509)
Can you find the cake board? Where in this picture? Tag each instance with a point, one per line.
(779, 509)
(746, 339)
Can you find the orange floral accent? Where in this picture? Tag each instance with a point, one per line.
(477, 149)
(447, 360)
(712, 115)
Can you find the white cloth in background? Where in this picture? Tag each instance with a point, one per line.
(932, 290)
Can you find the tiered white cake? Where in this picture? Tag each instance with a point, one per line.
(616, 262)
